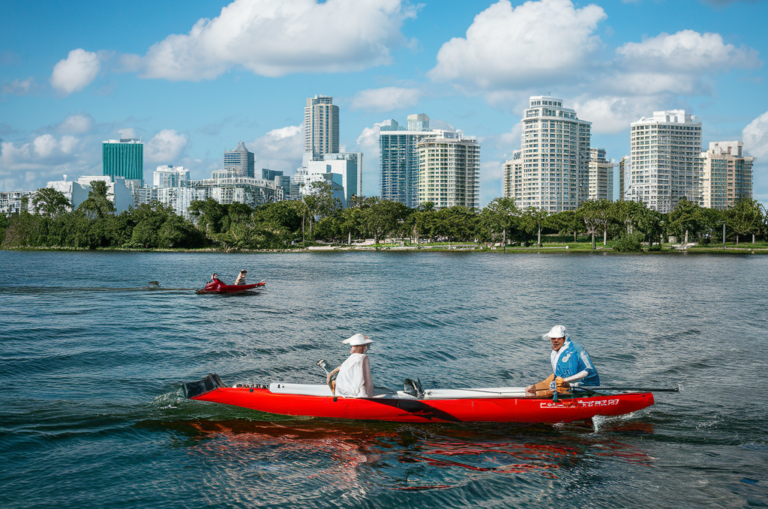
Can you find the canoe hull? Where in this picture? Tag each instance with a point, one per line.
(231, 288)
(394, 409)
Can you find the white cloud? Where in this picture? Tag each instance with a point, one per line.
(19, 87)
(536, 42)
(369, 136)
(491, 176)
(128, 133)
(755, 137)
(686, 51)
(76, 124)
(611, 114)
(275, 38)
(279, 149)
(386, 99)
(165, 147)
(29, 165)
(75, 72)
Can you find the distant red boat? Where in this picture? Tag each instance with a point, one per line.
(219, 287)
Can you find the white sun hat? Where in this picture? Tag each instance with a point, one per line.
(558, 331)
(358, 339)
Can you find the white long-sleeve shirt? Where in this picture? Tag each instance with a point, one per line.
(354, 379)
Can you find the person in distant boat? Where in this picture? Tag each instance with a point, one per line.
(214, 278)
(241, 277)
(354, 375)
(570, 361)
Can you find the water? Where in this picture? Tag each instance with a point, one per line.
(91, 361)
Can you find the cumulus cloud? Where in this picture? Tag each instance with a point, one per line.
(369, 136)
(275, 38)
(165, 147)
(29, 165)
(128, 133)
(80, 123)
(612, 114)
(19, 87)
(533, 43)
(75, 72)
(755, 137)
(279, 149)
(386, 99)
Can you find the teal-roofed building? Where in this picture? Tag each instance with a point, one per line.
(123, 158)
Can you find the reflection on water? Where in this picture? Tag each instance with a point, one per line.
(335, 456)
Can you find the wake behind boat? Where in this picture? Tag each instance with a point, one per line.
(505, 404)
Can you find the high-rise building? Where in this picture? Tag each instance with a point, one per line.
(170, 176)
(449, 171)
(625, 168)
(600, 176)
(726, 174)
(321, 126)
(356, 160)
(241, 160)
(555, 145)
(513, 177)
(123, 158)
(400, 159)
(666, 163)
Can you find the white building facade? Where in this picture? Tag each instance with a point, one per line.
(119, 192)
(666, 163)
(555, 156)
(726, 174)
(321, 126)
(513, 177)
(449, 171)
(170, 176)
(600, 180)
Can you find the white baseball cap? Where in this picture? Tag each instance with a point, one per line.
(358, 339)
(558, 331)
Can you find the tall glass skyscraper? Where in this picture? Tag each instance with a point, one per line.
(400, 159)
(123, 158)
(241, 160)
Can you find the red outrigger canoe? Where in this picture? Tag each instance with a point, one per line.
(462, 405)
(219, 287)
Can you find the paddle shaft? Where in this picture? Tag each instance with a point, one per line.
(643, 389)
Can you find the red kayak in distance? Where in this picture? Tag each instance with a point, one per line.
(441, 405)
(219, 287)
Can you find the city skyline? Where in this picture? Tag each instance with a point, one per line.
(69, 81)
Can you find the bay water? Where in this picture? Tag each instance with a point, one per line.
(92, 358)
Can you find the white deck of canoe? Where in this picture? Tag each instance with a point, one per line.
(324, 390)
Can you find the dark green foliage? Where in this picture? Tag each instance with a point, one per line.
(629, 243)
(319, 216)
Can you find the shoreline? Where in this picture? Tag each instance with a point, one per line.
(407, 249)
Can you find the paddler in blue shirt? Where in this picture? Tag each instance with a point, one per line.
(570, 361)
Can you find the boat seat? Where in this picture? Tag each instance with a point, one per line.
(301, 389)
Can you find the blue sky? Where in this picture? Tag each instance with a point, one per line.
(193, 78)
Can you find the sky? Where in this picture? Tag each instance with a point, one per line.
(194, 78)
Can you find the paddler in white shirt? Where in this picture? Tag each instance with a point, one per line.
(354, 379)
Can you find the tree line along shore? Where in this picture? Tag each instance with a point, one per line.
(320, 220)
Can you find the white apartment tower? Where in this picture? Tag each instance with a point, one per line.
(625, 168)
(666, 164)
(449, 171)
(555, 153)
(321, 126)
(726, 174)
(513, 177)
(600, 179)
